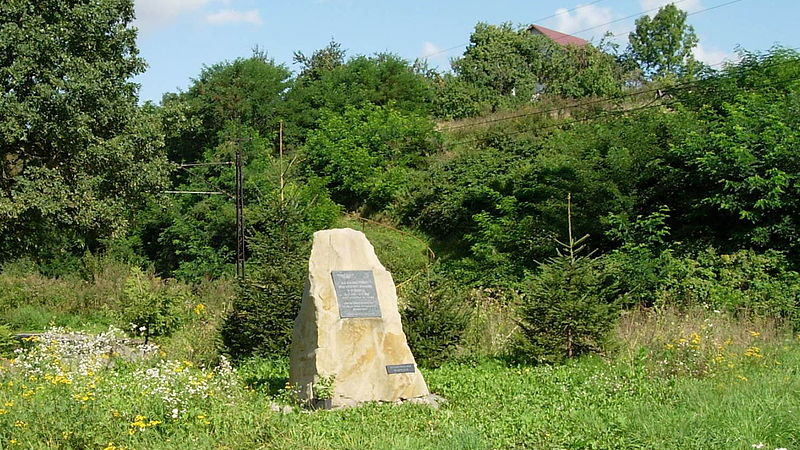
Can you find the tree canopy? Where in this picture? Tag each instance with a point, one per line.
(662, 45)
(77, 155)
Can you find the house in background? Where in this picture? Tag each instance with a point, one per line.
(557, 37)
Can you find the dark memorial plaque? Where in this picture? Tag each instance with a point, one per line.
(400, 368)
(356, 293)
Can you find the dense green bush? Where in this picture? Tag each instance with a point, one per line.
(744, 282)
(365, 154)
(7, 341)
(263, 313)
(434, 317)
(569, 307)
(151, 308)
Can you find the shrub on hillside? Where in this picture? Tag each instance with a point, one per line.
(266, 304)
(434, 317)
(263, 314)
(151, 308)
(744, 282)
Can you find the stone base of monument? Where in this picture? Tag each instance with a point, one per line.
(322, 403)
(348, 342)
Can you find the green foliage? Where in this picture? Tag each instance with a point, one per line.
(434, 317)
(263, 314)
(569, 308)
(365, 154)
(245, 91)
(149, 307)
(741, 164)
(77, 156)
(8, 343)
(329, 83)
(505, 67)
(744, 282)
(662, 45)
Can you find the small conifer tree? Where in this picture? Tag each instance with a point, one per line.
(569, 307)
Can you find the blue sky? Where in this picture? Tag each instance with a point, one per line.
(178, 37)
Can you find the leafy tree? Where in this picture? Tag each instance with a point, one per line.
(662, 45)
(740, 168)
(77, 156)
(320, 62)
(505, 67)
(232, 105)
(247, 91)
(328, 83)
(365, 154)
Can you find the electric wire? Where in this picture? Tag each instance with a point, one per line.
(607, 114)
(588, 103)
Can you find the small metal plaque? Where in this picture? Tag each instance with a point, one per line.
(356, 294)
(400, 368)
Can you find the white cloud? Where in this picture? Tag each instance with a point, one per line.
(434, 54)
(712, 56)
(429, 49)
(582, 18)
(154, 13)
(686, 5)
(231, 16)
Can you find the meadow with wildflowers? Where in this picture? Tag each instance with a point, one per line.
(73, 390)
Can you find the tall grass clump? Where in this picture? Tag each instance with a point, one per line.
(696, 341)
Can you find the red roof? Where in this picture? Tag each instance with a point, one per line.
(558, 37)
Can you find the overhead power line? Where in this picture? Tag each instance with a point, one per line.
(605, 114)
(699, 11)
(590, 102)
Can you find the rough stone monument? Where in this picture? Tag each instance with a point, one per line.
(348, 345)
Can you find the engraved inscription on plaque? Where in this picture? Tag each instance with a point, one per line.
(356, 293)
(400, 368)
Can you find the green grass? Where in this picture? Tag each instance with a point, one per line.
(588, 403)
(403, 253)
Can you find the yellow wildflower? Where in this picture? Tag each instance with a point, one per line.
(753, 352)
(3, 411)
(20, 424)
(695, 338)
(199, 309)
(8, 404)
(741, 377)
(755, 334)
